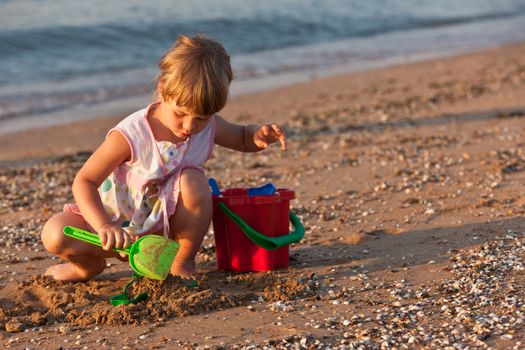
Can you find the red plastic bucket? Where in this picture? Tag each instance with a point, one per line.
(267, 214)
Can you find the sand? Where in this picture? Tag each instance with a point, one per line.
(408, 180)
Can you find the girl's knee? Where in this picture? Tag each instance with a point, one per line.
(53, 238)
(194, 189)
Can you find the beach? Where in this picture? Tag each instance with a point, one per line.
(408, 180)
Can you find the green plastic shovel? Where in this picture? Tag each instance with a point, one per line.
(150, 256)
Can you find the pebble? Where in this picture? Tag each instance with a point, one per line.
(14, 326)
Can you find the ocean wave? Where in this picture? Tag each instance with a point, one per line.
(54, 53)
(12, 106)
(62, 63)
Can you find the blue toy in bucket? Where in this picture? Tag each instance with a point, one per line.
(267, 189)
(214, 187)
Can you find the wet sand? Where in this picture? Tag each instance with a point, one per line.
(409, 182)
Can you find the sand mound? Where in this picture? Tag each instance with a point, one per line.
(41, 301)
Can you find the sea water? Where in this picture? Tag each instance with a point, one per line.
(67, 60)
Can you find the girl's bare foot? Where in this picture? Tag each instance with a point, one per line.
(184, 269)
(73, 273)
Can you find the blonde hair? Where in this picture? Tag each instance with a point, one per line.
(196, 74)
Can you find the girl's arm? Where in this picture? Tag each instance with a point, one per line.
(247, 138)
(111, 153)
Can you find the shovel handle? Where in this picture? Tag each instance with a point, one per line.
(88, 237)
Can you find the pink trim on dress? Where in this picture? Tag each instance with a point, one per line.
(148, 126)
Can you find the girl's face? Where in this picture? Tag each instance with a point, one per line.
(182, 121)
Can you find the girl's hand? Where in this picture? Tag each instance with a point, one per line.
(113, 236)
(268, 134)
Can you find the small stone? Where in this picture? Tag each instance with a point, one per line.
(64, 329)
(412, 340)
(14, 326)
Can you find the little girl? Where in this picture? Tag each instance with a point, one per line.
(145, 178)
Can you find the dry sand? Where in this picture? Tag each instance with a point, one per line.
(409, 181)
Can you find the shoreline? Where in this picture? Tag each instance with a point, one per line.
(86, 134)
(45, 103)
(345, 60)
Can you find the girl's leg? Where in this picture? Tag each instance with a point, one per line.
(191, 220)
(85, 260)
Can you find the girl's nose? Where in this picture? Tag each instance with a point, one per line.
(189, 125)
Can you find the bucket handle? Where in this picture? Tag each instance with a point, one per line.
(266, 242)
